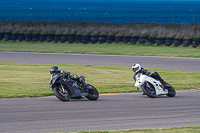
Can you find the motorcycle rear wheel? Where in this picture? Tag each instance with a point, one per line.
(149, 91)
(171, 92)
(63, 96)
(93, 94)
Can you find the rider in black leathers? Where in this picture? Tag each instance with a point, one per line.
(55, 70)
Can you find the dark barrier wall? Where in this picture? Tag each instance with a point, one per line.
(73, 38)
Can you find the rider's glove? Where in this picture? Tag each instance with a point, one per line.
(74, 76)
(148, 73)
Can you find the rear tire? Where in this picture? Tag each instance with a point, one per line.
(63, 96)
(149, 91)
(171, 92)
(93, 94)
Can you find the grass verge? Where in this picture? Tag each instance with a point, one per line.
(112, 49)
(32, 80)
(192, 129)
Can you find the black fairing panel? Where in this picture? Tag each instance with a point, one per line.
(56, 79)
(74, 92)
(61, 81)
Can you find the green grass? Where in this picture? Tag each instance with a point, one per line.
(116, 49)
(192, 129)
(32, 80)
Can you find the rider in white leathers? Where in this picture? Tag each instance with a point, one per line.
(138, 69)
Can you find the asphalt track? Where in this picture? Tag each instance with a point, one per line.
(109, 112)
(187, 64)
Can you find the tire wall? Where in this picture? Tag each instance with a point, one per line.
(94, 39)
(1, 35)
(151, 40)
(7, 36)
(35, 37)
(42, 37)
(78, 38)
(14, 36)
(50, 37)
(21, 37)
(178, 42)
(142, 39)
(57, 38)
(64, 38)
(134, 39)
(126, 39)
(71, 38)
(102, 38)
(110, 38)
(187, 42)
(169, 41)
(118, 39)
(28, 37)
(84, 39)
(196, 42)
(160, 40)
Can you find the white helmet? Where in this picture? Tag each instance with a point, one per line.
(136, 68)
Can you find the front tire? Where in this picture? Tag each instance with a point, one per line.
(149, 91)
(171, 92)
(62, 95)
(93, 94)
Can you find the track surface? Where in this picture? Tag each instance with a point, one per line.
(110, 112)
(188, 64)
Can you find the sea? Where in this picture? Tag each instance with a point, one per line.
(115, 11)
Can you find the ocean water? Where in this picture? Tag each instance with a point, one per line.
(116, 11)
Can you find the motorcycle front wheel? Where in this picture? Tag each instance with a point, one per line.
(149, 91)
(171, 92)
(93, 94)
(62, 94)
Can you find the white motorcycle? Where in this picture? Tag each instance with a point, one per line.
(152, 87)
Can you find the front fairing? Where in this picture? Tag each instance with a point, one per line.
(141, 79)
(54, 78)
(137, 80)
(59, 79)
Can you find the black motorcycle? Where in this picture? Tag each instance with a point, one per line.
(66, 88)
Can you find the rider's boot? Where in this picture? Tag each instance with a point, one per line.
(158, 77)
(165, 84)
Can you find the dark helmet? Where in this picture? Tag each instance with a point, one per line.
(54, 69)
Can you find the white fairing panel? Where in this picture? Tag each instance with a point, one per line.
(141, 79)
